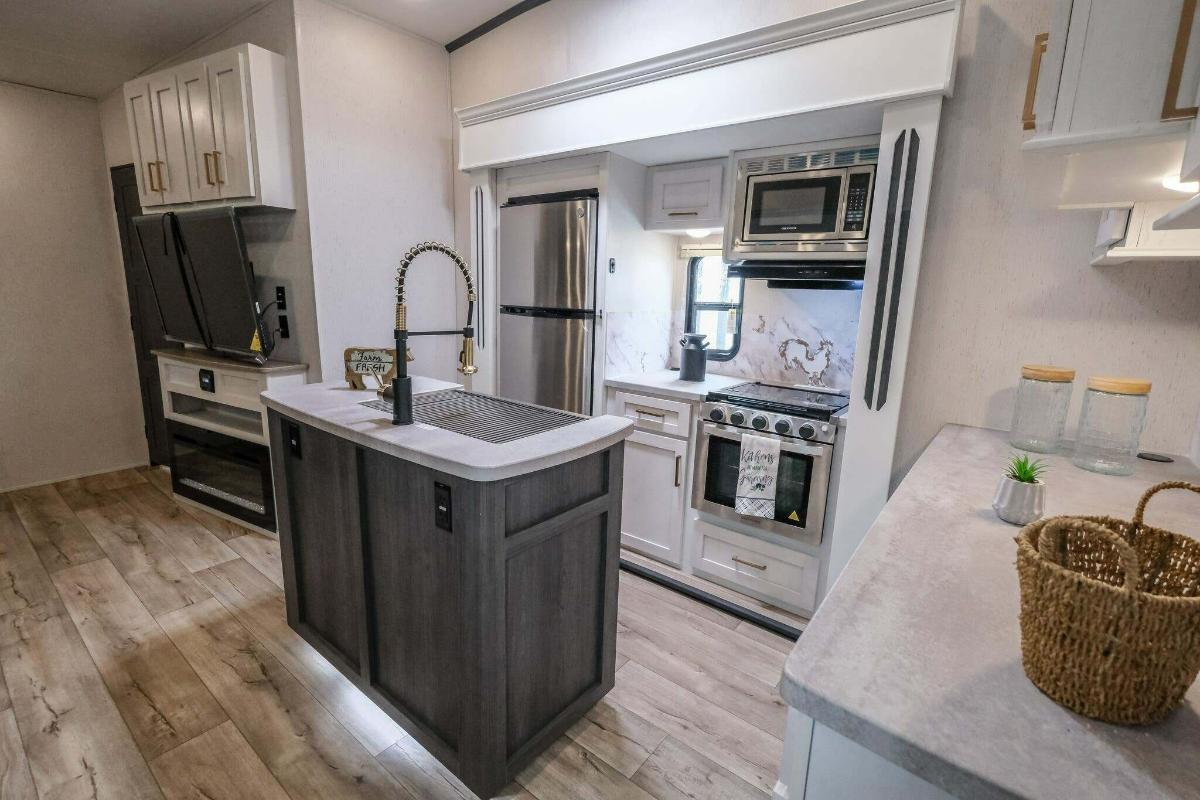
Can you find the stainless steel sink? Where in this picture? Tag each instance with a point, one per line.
(480, 416)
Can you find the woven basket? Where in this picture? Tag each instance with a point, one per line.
(1110, 613)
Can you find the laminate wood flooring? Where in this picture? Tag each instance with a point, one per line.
(144, 653)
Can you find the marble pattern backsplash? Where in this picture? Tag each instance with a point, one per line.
(638, 341)
(791, 336)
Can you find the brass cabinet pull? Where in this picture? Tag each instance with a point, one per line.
(150, 176)
(750, 564)
(1183, 35)
(678, 463)
(162, 184)
(217, 167)
(683, 213)
(644, 413)
(1028, 119)
(208, 169)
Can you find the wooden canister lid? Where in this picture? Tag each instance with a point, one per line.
(1042, 372)
(1119, 385)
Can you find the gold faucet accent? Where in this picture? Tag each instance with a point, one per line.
(402, 383)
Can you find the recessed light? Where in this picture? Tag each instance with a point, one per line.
(1173, 183)
(698, 233)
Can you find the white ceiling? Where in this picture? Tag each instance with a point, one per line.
(90, 47)
(442, 21)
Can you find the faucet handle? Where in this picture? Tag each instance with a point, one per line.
(408, 356)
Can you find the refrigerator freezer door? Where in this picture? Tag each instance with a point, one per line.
(548, 254)
(546, 360)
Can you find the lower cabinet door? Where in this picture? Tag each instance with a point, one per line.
(653, 496)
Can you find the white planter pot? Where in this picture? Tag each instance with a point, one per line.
(1019, 503)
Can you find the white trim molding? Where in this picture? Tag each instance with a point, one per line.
(869, 52)
(853, 18)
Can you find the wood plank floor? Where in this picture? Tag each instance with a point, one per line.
(144, 652)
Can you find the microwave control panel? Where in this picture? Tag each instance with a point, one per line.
(858, 194)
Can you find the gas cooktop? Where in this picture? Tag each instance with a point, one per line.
(794, 400)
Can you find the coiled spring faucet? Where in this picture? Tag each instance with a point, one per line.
(402, 397)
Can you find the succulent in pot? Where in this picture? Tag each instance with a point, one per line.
(1021, 496)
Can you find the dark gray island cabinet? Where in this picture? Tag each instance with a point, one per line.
(473, 598)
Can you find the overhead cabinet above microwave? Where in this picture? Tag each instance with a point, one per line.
(213, 131)
(687, 196)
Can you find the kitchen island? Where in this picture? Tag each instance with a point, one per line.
(468, 587)
(908, 681)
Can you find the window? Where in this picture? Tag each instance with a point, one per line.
(714, 306)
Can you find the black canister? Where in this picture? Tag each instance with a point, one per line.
(693, 357)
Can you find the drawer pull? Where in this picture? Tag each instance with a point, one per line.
(678, 461)
(750, 564)
(655, 414)
(683, 213)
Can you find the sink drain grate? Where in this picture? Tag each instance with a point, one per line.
(480, 416)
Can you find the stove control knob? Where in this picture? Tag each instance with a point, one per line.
(759, 423)
(807, 430)
(737, 418)
(783, 426)
(716, 415)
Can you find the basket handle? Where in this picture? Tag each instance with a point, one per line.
(1051, 547)
(1140, 512)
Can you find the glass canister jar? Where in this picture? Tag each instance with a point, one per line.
(1040, 413)
(1110, 424)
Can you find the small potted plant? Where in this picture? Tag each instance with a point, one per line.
(1021, 495)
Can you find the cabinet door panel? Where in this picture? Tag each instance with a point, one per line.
(199, 140)
(141, 132)
(227, 87)
(653, 498)
(171, 172)
(326, 543)
(685, 196)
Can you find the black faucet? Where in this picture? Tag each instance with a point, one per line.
(402, 397)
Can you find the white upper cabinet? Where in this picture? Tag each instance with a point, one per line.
(1114, 69)
(683, 196)
(214, 130)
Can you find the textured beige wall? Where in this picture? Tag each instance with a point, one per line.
(1005, 278)
(69, 401)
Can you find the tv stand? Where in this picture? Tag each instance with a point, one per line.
(220, 456)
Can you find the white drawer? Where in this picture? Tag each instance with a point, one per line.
(180, 377)
(235, 386)
(656, 414)
(763, 569)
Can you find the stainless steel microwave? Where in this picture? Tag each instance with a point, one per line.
(803, 205)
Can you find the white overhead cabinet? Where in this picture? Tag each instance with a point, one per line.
(214, 130)
(1112, 89)
(685, 196)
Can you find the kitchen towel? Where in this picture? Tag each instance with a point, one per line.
(758, 468)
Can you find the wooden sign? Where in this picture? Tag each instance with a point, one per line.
(363, 361)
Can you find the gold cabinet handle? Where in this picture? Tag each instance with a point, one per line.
(1028, 119)
(217, 167)
(162, 185)
(683, 213)
(641, 412)
(1183, 35)
(750, 564)
(150, 176)
(208, 169)
(678, 463)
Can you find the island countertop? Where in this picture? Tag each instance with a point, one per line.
(915, 653)
(335, 408)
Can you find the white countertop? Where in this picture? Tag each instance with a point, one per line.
(666, 383)
(916, 652)
(335, 408)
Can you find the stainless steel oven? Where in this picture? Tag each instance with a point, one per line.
(802, 205)
(802, 482)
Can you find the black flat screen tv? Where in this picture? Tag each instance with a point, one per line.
(203, 281)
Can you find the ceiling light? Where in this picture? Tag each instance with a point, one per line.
(698, 233)
(1173, 183)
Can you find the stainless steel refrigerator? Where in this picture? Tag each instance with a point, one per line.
(547, 290)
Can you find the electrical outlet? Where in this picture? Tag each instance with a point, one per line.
(285, 331)
(280, 298)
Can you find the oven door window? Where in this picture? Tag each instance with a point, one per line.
(791, 493)
(791, 206)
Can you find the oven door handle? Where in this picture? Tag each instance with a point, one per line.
(816, 451)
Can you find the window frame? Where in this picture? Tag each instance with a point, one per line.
(693, 307)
